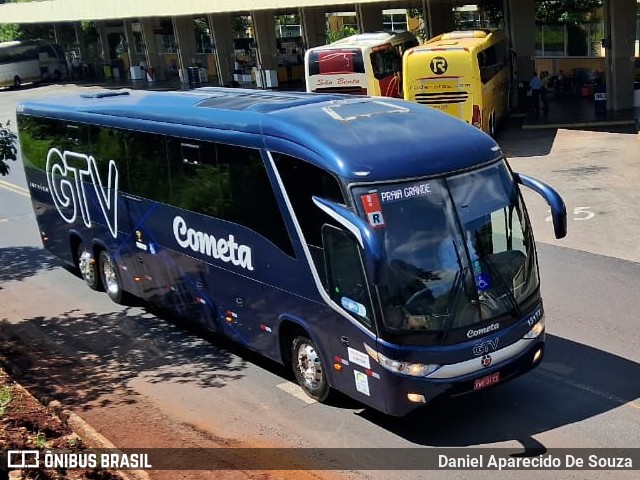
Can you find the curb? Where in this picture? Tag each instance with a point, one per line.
(89, 435)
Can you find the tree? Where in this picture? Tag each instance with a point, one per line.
(8, 148)
(566, 12)
(346, 31)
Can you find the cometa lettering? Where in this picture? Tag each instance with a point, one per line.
(481, 331)
(225, 249)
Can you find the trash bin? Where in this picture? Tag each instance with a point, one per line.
(193, 75)
(600, 99)
(107, 71)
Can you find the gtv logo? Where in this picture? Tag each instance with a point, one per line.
(67, 187)
(486, 347)
(438, 65)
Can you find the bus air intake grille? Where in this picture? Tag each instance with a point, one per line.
(441, 97)
(348, 90)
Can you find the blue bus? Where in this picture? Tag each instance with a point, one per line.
(380, 248)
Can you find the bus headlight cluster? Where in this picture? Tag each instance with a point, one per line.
(403, 368)
(536, 330)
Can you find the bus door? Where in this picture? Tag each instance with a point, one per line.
(359, 375)
(442, 79)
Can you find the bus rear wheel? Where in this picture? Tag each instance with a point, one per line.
(111, 277)
(309, 369)
(88, 267)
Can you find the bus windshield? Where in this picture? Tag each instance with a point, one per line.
(458, 251)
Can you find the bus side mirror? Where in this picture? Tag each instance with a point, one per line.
(360, 229)
(553, 198)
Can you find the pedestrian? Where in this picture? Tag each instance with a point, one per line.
(535, 86)
(544, 78)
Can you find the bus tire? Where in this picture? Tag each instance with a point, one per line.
(111, 277)
(309, 369)
(88, 267)
(492, 124)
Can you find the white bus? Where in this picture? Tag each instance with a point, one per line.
(363, 64)
(24, 61)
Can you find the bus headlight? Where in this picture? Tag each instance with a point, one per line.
(403, 368)
(536, 330)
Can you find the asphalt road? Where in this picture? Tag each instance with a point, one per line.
(109, 360)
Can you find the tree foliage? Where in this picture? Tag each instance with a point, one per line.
(345, 31)
(8, 148)
(567, 12)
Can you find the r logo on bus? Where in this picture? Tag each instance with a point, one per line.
(438, 65)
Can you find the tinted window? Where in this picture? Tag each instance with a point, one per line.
(39, 135)
(148, 170)
(226, 182)
(302, 181)
(385, 63)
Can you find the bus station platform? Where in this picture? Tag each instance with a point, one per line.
(577, 112)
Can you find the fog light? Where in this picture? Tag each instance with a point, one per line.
(416, 398)
(537, 356)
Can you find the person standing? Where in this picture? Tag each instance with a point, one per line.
(535, 85)
(544, 78)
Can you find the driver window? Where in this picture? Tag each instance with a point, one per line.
(346, 278)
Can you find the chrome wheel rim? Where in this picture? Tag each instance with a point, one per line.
(109, 275)
(87, 266)
(309, 366)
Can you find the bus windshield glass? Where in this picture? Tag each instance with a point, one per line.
(458, 251)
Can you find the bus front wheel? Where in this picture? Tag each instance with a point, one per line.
(309, 369)
(111, 277)
(88, 267)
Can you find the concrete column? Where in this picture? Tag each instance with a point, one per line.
(620, 31)
(369, 17)
(521, 30)
(186, 39)
(104, 42)
(80, 42)
(264, 27)
(314, 26)
(128, 35)
(440, 17)
(220, 25)
(152, 47)
(56, 34)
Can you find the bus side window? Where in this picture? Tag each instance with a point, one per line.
(148, 170)
(301, 182)
(227, 182)
(108, 144)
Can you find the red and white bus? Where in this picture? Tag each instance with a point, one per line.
(363, 64)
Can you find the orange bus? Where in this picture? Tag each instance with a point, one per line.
(467, 74)
(364, 64)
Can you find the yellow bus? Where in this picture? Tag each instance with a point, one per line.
(467, 74)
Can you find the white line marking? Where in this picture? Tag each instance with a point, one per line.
(296, 391)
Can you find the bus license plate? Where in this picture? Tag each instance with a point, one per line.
(484, 382)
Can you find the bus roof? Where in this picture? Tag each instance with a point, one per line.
(370, 39)
(461, 40)
(360, 138)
